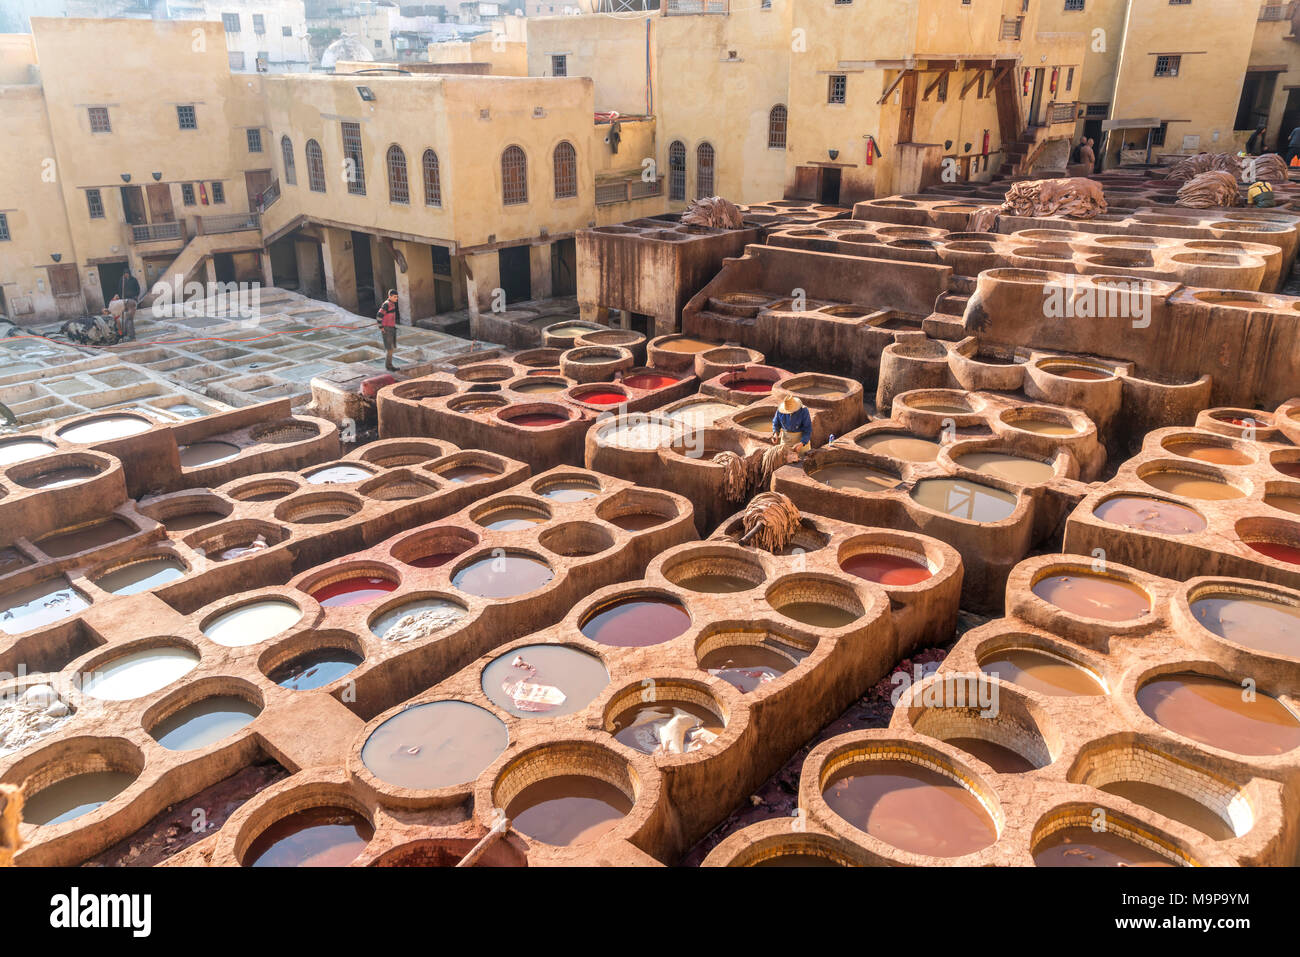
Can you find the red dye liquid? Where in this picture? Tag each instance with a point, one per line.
(434, 560)
(1278, 552)
(602, 397)
(886, 569)
(537, 420)
(1288, 468)
(637, 623)
(750, 385)
(648, 380)
(352, 591)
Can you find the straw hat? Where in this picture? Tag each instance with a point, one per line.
(790, 404)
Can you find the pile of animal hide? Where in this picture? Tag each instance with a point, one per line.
(1194, 166)
(1209, 190)
(713, 211)
(1269, 168)
(770, 521)
(1075, 197)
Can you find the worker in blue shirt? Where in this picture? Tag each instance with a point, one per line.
(792, 425)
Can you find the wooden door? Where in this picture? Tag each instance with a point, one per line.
(133, 205)
(1036, 99)
(256, 181)
(65, 284)
(907, 108)
(160, 203)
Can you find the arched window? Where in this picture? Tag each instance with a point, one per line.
(566, 170)
(286, 150)
(776, 128)
(315, 167)
(703, 171)
(514, 176)
(399, 189)
(676, 170)
(432, 183)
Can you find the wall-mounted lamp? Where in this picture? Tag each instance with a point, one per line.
(366, 93)
(126, 177)
(833, 154)
(966, 148)
(56, 256)
(947, 144)
(156, 176)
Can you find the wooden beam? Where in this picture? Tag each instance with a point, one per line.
(893, 86)
(934, 83)
(971, 82)
(997, 76)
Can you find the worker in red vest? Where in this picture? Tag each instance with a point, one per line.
(387, 319)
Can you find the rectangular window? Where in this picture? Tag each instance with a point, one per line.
(1074, 4)
(254, 141)
(231, 22)
(559, 65)
(840, 3)
(99, 119)
(286, 31)
(218, 193)
(1069, 80)
(1158, 136)
(1179, 3)
(95, 203)
(355, 162)
(836, 88)
(259, 23)
(235, 58)
(4, 228)
(187, 194)
(1167, 65)
(186, 117)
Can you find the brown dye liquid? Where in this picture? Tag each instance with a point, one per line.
(1044, 673)
(818, 614)
(940, 408)
(1209, 452)
(908, 448)
(61, 544)
(1150, 515)
(316, 837)
(638, 521)
(1288, 468)
(1092, 596)
(502, 576)
(207, 453)
(967, 500)
(189, 520)
(512, 680)
(687, 345)
(1267, 626)
(1014, 468)
(1212, 711)
(797, 860)
(141, 576)
(636, 622)
(568, 809)
(1040, 426)
(1173, 805)
(1084, 847)
(999, 758)
(860, 477)
(818, 390)
(1192, 486)
(911, 807)
(746, 667)
(1287, 503)
(716, 583)
(435, 745)
(639, 726)
(1078, 372)
(540, 387)
(72, 797)
(58, 478)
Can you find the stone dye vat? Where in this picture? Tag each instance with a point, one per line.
(1036, 721)
(990, 474)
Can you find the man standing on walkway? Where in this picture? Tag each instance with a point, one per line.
(129, 291)
(387, 319)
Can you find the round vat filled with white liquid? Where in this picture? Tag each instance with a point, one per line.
(104, 428)
(138, 673)
(252, 622)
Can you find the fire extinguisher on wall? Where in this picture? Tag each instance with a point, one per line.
(1025, 91)
(984, 150)
(1056, 72)
(203, 194)
(872, 150)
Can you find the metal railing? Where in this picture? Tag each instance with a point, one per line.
(1011, 27)
(629, 189)
(157, 232)
(269, 196)
(229, 223)
(1275, 11)
(1062, 113)
(674, 8)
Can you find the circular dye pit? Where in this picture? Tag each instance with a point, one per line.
(860, 477)
(1267, 626)
(62, 544)
(1288, 468)
(1209, 452)
(138, 673)
(72, 797)
(437, 559)
(907, 448)
(315, 669)
(338, 475)
(1213, 711)
(316, 837)
(467, 473)
(1042, 426)
(637, 521)
(717, 583)
(815, 390)
(797, 860)
(967, 500)
(539, 387)
(21, 450)
(416, 619)
(544, 681)
(104, 429)
(818, 614)
(911, 807)
(568, 809)
(686, 345)
(537, 420)
(746, 667)
(1174, 805)
(1084, 847)
(256, 621)
(938, 407)
(601, 397)
(700, 414)
(1001, 759)
(1150, 515)
(756, 386)
(204, 722)
(38, 605)
(1093, 596)
(1013, 468)
(207, 453)
(61, 477)
(1278, 551)
(503, 576)
(1189, 485)
(636, 622)
(1287, 503)
(141, 576)
(1042, 672)
(668, 727)
(886, 568)
(353, 591)
(649, 381)
(191, 520)
(569, 490)
(436, 745)
(513, 518)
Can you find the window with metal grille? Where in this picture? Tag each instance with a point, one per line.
(259, 23)
(1167, 65)
(1074, 4)
(566, 171)
(99, 122)
(941, 91)
(514, 176)
(399, 189)
(776, 123)
(840, 3)
(676, 170)
(186, 118)
(231, 22)
(315, 167)
(704, 170)
(1011, 28)
(286, 153)
(1069, 80)
(95, 203)
(1180, 3)
(355, 167)
(4, 227)
(218, 192)
(559, 65)
(187, 194)
(836, 87)
(254, 140)
(235, 58)
(1158, 135)
(286, 31)
(432, 179)
(1098, 109)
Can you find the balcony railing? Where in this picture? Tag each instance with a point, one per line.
(269, 197)
(1275, 11)
(230, 223)
(674, 8)
(157, 232)
(627, 190)
(1062, 113)
(1011, 27)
